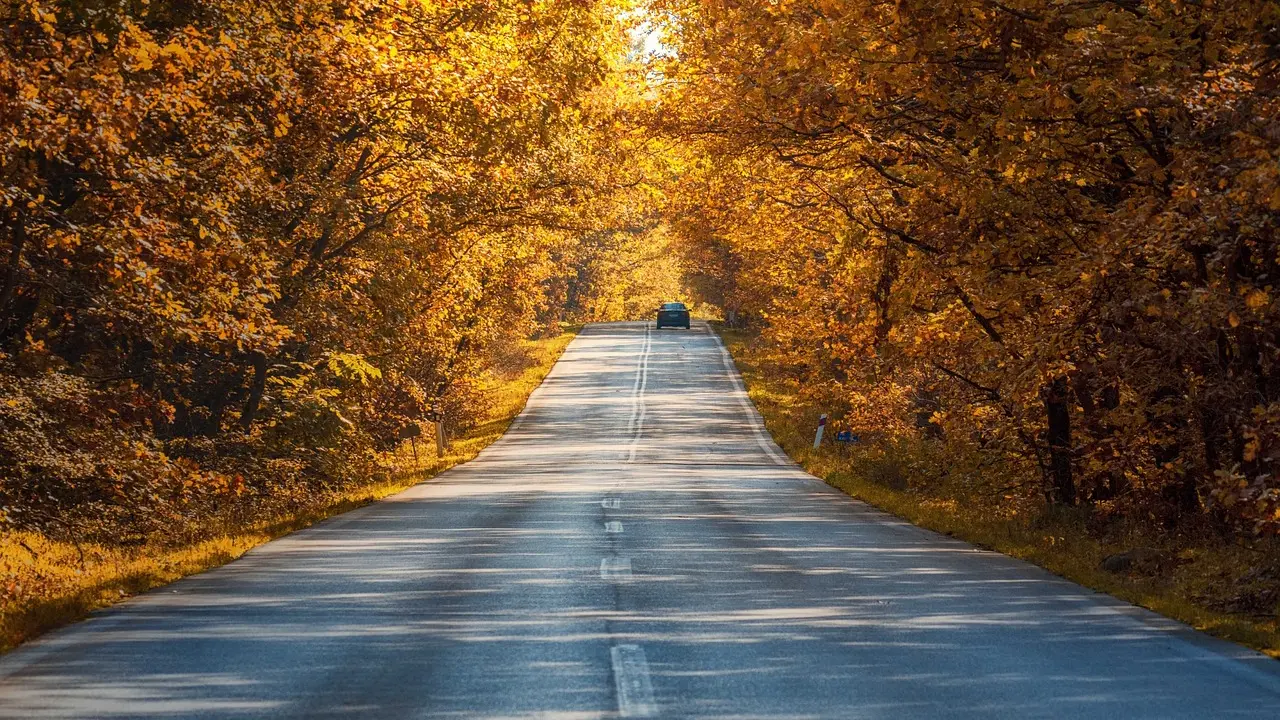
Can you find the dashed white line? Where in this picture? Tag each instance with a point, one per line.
(615, 568)
(631, 678)
(613, 527)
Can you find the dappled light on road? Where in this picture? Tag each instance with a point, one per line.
(741, 586)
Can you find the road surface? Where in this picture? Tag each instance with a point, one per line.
(634, 546)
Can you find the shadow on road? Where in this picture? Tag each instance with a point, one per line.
(754, 591)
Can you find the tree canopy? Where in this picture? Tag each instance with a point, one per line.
(250, 246)
(1041, 231)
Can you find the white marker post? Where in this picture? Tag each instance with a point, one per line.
(822, 425)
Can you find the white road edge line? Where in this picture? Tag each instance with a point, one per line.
(638, 408)
(631, 678)
(613, 527)
(525, 411)
(615, 568)
(740, 392)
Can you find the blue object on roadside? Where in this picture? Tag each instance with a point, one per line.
(846, 436)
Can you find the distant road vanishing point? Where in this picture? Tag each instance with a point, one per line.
(634, 546)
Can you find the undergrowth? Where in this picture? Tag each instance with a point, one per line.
(48, 583)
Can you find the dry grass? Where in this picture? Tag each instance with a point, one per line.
(49, 584)
(1208, 573)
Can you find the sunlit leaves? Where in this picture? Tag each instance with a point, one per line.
(261, 238)
(975, 200)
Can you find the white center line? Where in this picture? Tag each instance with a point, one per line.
(637, 400)
(631, 678)
(615, 568)
(611, 503)
(635, 385)
(613, 526)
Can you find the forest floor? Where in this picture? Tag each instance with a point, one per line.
(1226, 589)
(48, 583)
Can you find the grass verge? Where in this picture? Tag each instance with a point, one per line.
(48, 584)
(1205, 574)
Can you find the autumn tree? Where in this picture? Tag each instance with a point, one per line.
(247, 243)
(1048, 224)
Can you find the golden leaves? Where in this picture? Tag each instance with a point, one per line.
(393, 188)
(1257, 299)
(352, 366)
(1137, 262)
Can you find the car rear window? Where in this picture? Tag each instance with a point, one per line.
(673, 306)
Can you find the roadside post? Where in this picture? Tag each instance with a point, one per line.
(440, 436)
(822, 425)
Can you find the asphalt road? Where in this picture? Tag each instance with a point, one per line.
(634, 546)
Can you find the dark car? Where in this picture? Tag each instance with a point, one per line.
(673, 315)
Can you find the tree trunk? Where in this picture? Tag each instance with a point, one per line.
(881, 296)
(10, 283)
(1058, 435)
(257, 386)
(217, 406)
